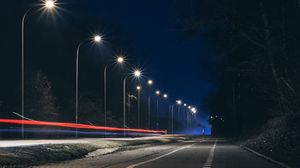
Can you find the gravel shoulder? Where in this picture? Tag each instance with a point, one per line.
(27, 156)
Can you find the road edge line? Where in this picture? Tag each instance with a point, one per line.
(264, 157)
(159, 157)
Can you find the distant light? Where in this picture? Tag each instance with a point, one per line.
(49, 4)
(150, 82)
(137, 73)
(179, 102)
(184, 105)
(97, 38)
(189, 107)
(165, 96)
(157, 92)
(120, 60)
(194, 110)
(138, 87)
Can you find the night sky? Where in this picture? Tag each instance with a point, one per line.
(147, 32)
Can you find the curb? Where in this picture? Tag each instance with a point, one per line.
(265, 157)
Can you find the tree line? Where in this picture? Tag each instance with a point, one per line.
(257, 52)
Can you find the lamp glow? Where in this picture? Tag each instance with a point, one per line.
(49, 4)
(120, 60)
(179, 102)
(194, 110)
(97, 38)
(157, 92)
(137, 73)
(165, 96)
(150, 82)
(138, 87)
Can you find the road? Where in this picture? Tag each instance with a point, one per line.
(203, 153)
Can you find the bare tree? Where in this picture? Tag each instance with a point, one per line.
(41, 103)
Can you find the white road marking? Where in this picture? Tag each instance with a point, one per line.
(159, 157)
(265, 157)
(210, 158)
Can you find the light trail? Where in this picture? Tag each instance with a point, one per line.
(30, 130)
(78, 126)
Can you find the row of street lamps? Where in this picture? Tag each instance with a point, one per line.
(49, 6)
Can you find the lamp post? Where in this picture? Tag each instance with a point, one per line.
(97, 39)
(136, 74)
(179, 102)
(139, 104)
(193, 111)
(188, 117)
(172, 120)
(157, 106)
(48, 5)
(165, 96)
(185, 113)
(119, 60)
(150, 83)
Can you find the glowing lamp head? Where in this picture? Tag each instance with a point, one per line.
(150, 82)
(179, 102)
(189, 107)
(49, 4)
(157, 92)
(137, 73)
(184, 105)
(138, 87)
(194, 110)
(120, 60)
(97, 38)
(165, 96)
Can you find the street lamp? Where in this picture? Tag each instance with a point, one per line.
(150, 83)
(97, 39)
(179, 102)
(157, 106)
(119, 60)
(139, 104)
(172, 119)
(50, 5)
(187, 114)
(136, 74)
(165, 96)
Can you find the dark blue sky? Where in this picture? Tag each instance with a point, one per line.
(182, 66)
(146, 31)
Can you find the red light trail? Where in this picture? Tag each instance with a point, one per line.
(78, 126)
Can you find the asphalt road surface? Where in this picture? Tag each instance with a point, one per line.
(189, 154)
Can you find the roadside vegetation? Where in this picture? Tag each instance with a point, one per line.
(258, 70)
